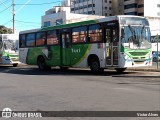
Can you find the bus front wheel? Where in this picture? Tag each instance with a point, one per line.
(15, 65)
(95, 66)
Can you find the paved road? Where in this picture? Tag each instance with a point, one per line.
(25, 88)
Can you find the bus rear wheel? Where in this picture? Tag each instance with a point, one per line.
(95, 66)
(42, 64)
(63, 68)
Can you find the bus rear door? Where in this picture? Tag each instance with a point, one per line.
(66, 49)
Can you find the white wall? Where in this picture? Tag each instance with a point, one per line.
(150, 8)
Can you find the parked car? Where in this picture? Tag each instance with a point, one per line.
(155, 56)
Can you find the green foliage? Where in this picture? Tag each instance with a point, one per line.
(5, 30)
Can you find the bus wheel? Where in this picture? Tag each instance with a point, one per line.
(15, 65)
(41, 63)
(95, 66)
(120, 70)
(63, 68)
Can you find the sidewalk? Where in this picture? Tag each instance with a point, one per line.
(149, 69)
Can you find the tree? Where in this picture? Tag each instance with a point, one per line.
(5, 30)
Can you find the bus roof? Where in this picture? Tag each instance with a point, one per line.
(110, 18)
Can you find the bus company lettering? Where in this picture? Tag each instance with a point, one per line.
(76, 50)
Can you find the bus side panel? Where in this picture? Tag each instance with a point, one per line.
(53, 58)
(78, 53)
(91, 49)
(33, 54)
(23, 52)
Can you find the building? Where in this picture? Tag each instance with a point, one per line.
(61, 15)
(92, 7)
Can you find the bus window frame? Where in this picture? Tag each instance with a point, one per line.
(34, 39)
(57, 35)
(86, 37)
(102, 28)
(20, 45)
(45, 38)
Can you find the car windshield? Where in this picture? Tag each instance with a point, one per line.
(135, 37)
(10, 45)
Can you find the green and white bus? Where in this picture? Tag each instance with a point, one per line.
(113, 42)
(9, 45)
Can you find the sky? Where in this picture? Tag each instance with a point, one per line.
(26, 17)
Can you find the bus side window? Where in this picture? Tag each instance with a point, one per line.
(22, 41)
(40, 39)
(79, 34)
(52, 38)
(95, 33)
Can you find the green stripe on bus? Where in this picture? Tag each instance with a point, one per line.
(85, 55)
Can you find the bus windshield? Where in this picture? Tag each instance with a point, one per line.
(10, 45)
(135, 37)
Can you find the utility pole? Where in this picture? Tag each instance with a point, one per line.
(13, 13)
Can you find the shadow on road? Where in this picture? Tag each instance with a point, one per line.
(25, 70)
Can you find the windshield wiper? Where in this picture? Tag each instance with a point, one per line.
(133, 37)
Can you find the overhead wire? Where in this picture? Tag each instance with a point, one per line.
(4, 2)
(6, 9)
(27, 22)
(7, 22)
(40, 3)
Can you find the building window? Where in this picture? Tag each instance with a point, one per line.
(85, 6)
(59, 21)
(47, 23)
(141, 6)
(72, 9)
(90, 12)
(131, 13)
(140, 14)
(90, 5)
(134, 5)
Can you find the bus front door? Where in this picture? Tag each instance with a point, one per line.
(66, 49)
(112, 47)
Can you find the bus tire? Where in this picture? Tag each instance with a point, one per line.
(63, 68)
(95, 66)
(41, 63)
(15, 65)
(120, 70)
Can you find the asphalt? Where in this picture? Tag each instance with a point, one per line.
(149, 69)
